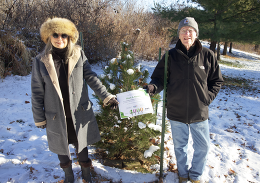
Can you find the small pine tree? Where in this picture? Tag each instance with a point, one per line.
(123, 139)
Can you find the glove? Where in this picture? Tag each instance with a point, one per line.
(42, 126)
(150, 89)
(113, 103)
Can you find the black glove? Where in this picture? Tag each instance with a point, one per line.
(150, 89)
(42, 126)
(113, 103)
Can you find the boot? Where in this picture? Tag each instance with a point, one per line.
(195, 181)
(183, 180)
(67, 168)
(85, 167)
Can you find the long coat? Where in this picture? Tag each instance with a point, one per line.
(47, 101)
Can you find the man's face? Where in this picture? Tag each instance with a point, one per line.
(187, 35)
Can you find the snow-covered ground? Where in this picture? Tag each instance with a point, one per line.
(234, 130)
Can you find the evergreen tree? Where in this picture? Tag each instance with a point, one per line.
(126, 139)
(221, 20)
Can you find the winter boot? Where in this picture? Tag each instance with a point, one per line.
(67, 168)
(195, 181)
(183, 180)
(85, 167)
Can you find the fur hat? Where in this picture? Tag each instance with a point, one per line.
(189, 21)
(59, 26)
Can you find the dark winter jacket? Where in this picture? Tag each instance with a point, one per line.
(193, 82)
(48, 106)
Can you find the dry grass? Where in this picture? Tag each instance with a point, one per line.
(142, 30)
(14, 56)
(246, 47)
(104, 24)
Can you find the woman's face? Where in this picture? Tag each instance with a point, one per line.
(59, 40)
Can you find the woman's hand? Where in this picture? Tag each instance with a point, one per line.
(113, 103)
(42, 126)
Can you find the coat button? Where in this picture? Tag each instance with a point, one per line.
(73, 92)
(54, 82)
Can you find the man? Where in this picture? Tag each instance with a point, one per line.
(194, 79)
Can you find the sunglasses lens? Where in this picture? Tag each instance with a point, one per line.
(55, 35)
(64, 36)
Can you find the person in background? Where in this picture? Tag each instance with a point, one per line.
(194, 80)
(60, 101)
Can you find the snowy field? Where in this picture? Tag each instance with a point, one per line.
(234, 131)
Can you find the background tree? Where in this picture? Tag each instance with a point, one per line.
(220, 20)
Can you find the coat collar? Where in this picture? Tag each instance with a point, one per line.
(73, 60)
(197, 43)
(49, 64)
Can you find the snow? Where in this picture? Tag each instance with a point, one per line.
(141, 125)
(112, 86)
(113, 61)
(150, 151)
(234, 134)
(130, 71)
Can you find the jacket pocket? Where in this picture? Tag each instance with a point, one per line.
(201, 89)
(50, 116)
(86, 106)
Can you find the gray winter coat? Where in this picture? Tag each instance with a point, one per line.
(47, 101)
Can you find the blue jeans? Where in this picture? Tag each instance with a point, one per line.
(200, 135)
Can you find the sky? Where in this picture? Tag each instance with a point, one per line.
(148, 4)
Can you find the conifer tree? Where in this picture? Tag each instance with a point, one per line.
(126, 139)
(219, 20)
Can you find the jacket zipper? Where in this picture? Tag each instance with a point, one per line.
(187, 115)
(188, 95)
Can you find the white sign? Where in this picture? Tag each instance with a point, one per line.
(134, 103)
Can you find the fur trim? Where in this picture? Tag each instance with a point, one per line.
(59, 26)
(41, 123)
(85, 164)
(66, 165)
(105, 101)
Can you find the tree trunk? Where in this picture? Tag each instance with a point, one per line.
(230, 47)
(225, 48)
(213, 46)
(218, 51)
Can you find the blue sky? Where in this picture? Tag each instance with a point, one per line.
(148, 4)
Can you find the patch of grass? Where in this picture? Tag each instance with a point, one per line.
(231, 64)
(239, 82)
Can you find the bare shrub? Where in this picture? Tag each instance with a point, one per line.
(104, 24)
(14, 56)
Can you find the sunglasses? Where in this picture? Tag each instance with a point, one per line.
(64, 36)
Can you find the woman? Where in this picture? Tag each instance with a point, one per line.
(60, 101)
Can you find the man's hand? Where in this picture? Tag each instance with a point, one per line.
(113, 103)
(150, 89)
(42, 126)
